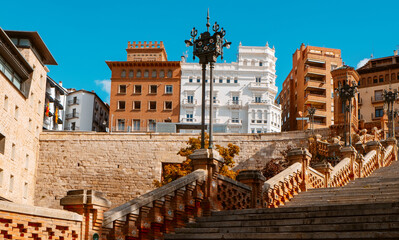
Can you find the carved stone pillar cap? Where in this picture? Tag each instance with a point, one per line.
(206, 154)
(391, 140)
(323, 167)
(79, 197)
(250, 174)
(299, 152)
(372, 143)
(348, 149)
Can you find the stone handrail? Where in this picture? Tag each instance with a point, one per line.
(146, 214)
(340, 174)
(370, 163)
(232, 194)
(388, 158)
(282, 187)
(316, 179)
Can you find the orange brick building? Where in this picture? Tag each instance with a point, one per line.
(145, 89)
(309, 84)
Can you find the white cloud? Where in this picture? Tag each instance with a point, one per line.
(362, 63)
(105, 87)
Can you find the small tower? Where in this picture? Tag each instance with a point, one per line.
(146, 51)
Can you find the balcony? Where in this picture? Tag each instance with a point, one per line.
(49, 97)
(378, 99)
(316, 81)
(58, 104)
(73, 102)
(72, 115)
(189, 120)
(260, 102)
(311, 71)
(234, 122)
(189, 103)
(257, 86)
(216, 103)
(316, 98)
(234, 104)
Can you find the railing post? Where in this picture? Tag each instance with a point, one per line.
(168, 214)
(92, 205)
(325, 168)
(374, 145)
(255, 180)
(209, 160)
(303, 156)
(350, 152)
(157, 219)
(394, 143)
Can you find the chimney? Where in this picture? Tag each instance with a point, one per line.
(60, 83)
(395, 52)
(183, 59)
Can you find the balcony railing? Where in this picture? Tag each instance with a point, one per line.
(262, 86)
(189, 120)
(234, 122)
(73, 102)
(216, 102)
(187, 102)
(72, 115)
(379, 99)
(49, 97)
(234, 103)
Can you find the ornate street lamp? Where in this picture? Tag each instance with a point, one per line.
(208, 47)
(312, 111)
(389, 98)
(346, 93)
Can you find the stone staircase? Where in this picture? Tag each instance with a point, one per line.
(367, 208)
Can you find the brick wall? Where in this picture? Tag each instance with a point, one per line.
(124, 166)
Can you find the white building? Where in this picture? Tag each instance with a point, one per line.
(54, 108)
(244, 93)
(85, 112)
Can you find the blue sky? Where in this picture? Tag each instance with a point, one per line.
(83, 34)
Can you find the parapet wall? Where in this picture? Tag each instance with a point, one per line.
(124, 166)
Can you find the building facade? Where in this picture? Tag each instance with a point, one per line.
(309, 84)
(243, 94)
(23, 72)
(145, 89)
(85, 111)
(54, 108)
(376, 76)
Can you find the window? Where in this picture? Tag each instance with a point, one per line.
(190, 80)
(378, 95)
(136, 124)
(258, 99)
(152, 125)
(228, 80)
(258, 79)
(11, 186)
(25, 190)
(189, 117)
(379, 111)
(168, 89)
(235, 117)
(375, 80)
(10, 74)
(122, 89)
(146, 73)
(260, 64)
(75, 100)
(154, 74)
(123, 73)
(13, 151)
(137, 89)
(333, 66)
(152, 105)
(2, 143)
(153, 89)
(220, 80)
(138, 74)
(131, 74)
(136, 105)
(27, 161)
(235, 99)
(73, 125)
(169, 73)
(121, 124)
(235, 80)
(190, 99)
(121, 105)
(381, 79)
(162, 74)
(398, 76)
(199, 80)
(5, 103)
(168, 105)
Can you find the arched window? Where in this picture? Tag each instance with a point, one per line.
(123, 73)
(253, 63)
(169, 73)
(162, 74)
(381, 78)
(131, 73)
(138, 73)
(154, 74)
(375, 79)
(146, 73)
(245, 62)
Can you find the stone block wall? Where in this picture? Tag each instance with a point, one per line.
(124, 166)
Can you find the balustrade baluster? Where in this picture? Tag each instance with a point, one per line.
(144, 224)
(179, 208)
(168, 213)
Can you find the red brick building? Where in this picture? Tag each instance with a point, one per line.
(145, 89)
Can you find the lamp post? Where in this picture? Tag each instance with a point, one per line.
(207, 47)
(312, 111)
(389, 98)
(346, 93)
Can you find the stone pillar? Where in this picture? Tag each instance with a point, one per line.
(375, 145)
(91, 205)
(325, 168)
(303, 156)
(255, 179)
(394, 143)
(334, 150)
(208, 160)
(359, 147)
(350, 152)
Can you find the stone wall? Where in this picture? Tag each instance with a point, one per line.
(124, 166)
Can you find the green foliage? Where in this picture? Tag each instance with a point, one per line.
(172, 172)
